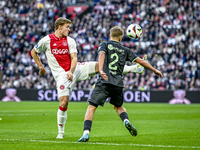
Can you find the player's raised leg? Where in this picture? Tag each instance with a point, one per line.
(127, 69)
(89, 69)
(85, 70)
(95, 70)
(134, 68)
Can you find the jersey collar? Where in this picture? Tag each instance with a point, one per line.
(115, 41)
(57, 38)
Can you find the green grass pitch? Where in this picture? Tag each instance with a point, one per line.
(33, 126)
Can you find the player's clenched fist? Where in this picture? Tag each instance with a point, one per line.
(42, 71)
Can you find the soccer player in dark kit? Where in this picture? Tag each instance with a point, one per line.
(112, 58)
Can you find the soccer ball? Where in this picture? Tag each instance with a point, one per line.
(134, 31)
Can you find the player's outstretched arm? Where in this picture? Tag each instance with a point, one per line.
(148, 66)
(35, 56)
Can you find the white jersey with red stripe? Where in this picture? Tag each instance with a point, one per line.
(58, 52)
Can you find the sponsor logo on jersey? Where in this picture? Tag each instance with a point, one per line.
(54, 44)
(62, 87)
(60, 51)
(64, 43)
(110, 47)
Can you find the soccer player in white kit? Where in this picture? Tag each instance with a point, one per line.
(61, 53)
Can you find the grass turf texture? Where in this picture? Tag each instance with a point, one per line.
(33, 125)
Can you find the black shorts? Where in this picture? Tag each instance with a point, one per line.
(102, 91)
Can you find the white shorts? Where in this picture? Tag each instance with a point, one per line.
(82, 72)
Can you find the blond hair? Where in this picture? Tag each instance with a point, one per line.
(61, 21)
(116, 32)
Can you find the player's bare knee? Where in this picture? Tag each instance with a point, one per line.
(64, 104)
(64, 101)
(121, 109)
(124, 109)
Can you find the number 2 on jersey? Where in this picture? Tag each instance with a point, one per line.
(111, 65)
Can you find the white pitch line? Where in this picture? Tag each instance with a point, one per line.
(16, 114)
(14, 111)
(93, 143)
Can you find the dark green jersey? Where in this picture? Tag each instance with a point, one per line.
(116, 56)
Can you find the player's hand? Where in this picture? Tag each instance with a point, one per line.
(158, 73)
(42, 71)
(104, 76)
(70, 76)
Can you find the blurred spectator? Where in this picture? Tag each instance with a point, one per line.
(171, 39)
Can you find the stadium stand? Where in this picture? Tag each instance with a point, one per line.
(171, 39)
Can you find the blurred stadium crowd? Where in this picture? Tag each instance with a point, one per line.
(171, 39)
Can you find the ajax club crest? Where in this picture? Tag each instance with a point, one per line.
(65, 43)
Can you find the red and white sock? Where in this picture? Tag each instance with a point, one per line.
(61, 119)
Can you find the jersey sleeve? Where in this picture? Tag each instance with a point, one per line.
(102, 47)
(40, 46)
(72, 46)
(131, 56)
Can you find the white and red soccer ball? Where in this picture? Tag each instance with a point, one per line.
(134, 31)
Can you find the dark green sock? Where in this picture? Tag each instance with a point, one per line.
(87, 125)
(124, 116)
